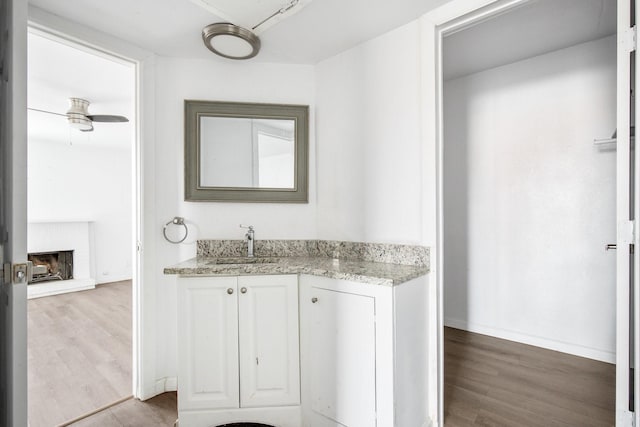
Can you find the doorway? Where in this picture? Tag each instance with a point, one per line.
(529, 207)
(82, 205)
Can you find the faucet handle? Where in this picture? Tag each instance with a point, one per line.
(250, 227)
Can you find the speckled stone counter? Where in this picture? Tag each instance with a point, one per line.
(378, 264)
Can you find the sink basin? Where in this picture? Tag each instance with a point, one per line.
(244, 260)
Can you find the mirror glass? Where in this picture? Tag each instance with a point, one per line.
(246, 152)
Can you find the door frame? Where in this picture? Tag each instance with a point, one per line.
(457, 15)
(454, 16)
(144, 235)
(627, 210)
(65, 40)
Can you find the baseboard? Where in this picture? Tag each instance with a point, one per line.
(56, 287)
(576, 350)
(112, 279)
(147, 393)
(171, 384)
(166, 384)
(162, 385)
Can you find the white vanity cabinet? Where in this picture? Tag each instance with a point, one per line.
(269, 341)
(208, 343)
(238, 350)
(364, 353)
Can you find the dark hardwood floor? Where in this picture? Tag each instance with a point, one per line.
(79, 352)
(494, 382)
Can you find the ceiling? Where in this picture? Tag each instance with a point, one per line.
(57, 72)
(537, 27)
(318, 31)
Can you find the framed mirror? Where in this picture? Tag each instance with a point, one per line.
(245, 152)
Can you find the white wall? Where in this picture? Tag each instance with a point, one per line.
(179, 79)
(85, 183)
(369, 141)
(376, 163)
(530, 201)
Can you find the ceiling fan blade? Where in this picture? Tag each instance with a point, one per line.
(45, 111)
(107, 118)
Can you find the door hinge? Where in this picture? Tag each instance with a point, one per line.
(6, 273)
(626, 232)
(4, 69)
(628, 39)
(139, 246)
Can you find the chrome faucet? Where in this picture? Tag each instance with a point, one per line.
(251, 235)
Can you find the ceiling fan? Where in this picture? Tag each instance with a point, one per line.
(78, 115)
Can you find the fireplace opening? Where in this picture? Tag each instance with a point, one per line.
(55, 265)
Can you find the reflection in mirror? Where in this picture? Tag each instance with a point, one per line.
(247, 152)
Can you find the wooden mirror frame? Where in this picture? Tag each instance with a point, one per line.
(194, 192)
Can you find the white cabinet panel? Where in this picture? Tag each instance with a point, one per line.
(343, 357)
(238, 350)
(364, 353)
(269, 347)
(208, 334)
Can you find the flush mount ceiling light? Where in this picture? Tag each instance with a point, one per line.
(230, 41)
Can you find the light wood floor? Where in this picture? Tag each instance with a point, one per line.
(494, 382)
(79, 352)
(159, 411)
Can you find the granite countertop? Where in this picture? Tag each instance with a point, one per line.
(377, 273)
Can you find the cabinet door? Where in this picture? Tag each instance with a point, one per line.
(269, 347)
(207, 343)
(342, 356)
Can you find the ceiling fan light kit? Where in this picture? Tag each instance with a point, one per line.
(77, 115)
(80, 123)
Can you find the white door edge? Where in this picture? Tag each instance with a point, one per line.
(14, 181)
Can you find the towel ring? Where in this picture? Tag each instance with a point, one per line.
(178, 220)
